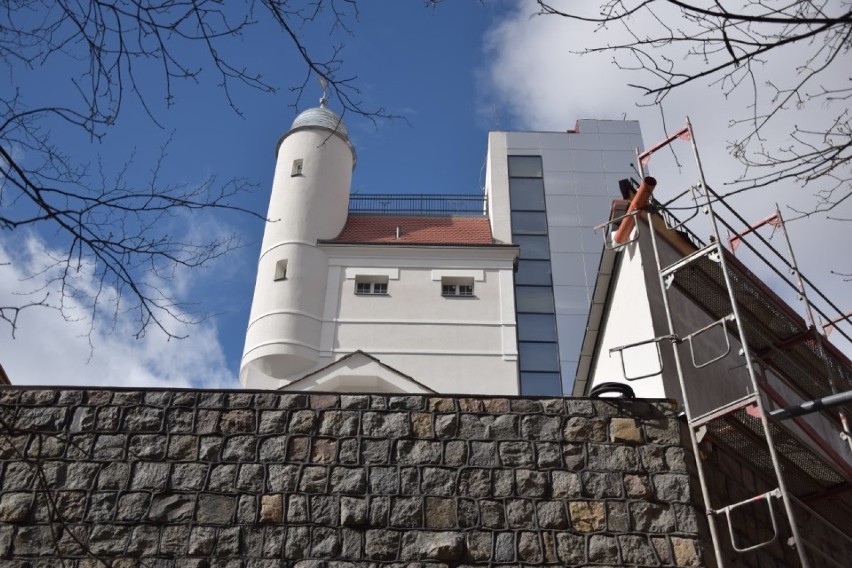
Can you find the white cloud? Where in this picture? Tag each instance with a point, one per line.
(535, 73)
(50, 349)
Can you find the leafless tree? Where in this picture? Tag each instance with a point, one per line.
(106, 222)
(789, 55)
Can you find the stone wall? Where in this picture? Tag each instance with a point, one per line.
(195, 478)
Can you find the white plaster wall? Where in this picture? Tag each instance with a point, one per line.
(497, 187)
(454, 344)
(629, 321)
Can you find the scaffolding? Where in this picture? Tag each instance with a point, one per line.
(761, 427)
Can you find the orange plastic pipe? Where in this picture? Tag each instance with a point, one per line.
(640, 201)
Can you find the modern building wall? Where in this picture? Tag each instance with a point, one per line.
(551, 211)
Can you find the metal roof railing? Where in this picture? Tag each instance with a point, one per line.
(419, 204)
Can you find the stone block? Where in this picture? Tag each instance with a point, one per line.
(323, 401)
(314, 479)
(548, 455)
(354, 401)
(672, 487)
(325, 542)
(379, 508)
(565, 484)
(582, 429)
(171, 507)
(143, 541)
(339, 423)
(374, 451)
(223, 477)
(442, 404)
(297, 509)
(132, 506)
(41, 419)
(414, 452)
(275, 448)
(381, 544)
(15, 507)
(663, 431)
(297, 543)
(615, 458)
(425, 545)
(551, 515)
(475, 482)
(271, 509)
(384, 480)
(516, 454)
(440, 513)
(386, 424)
(303, 422)
(149, 475)
(147, 446)
(188, 476)
(298, 449)
(492, 514)
(109, 446)
(182, 448)
(143, 419)
(478, 546)
(421, 424)
(173, 540)
(483, 454)
(529, 547)
(624, 430)
(587, 516)
(215, 509)
(324, 450)
(520, 513)
(237, 422)
(503, 483)
(108, 539)
(531, 483)
(496, 405)
(246, 509)
(202, 541)
(504, 547)
(406, 512)
(325, 510)
(272, 422)
(240, 449)
(602, 485)
(546, 428)
(603, 549)
(570, 548)
(438, 481)
(651, 517)
(455, 453)
(446, 425)
(351, 480)
(209, 448)
(353, 511)
(617, 516)
(636, 549)
(686, 551)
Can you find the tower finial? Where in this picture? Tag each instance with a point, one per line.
(324, 84)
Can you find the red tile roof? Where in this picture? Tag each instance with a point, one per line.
(415, 230)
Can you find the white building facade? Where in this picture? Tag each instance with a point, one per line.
(488, 298)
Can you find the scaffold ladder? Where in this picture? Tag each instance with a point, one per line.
(753, 402)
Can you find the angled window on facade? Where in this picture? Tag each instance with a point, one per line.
(525, 166)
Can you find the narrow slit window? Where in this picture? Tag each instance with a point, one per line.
(297, 168)
(281, 270)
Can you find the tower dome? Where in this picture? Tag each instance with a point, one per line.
(321, 117)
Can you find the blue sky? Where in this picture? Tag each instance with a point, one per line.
(454, 72)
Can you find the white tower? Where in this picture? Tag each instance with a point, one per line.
(310, 201)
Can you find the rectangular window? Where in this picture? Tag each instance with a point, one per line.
(533, 246)
(541, 384)
(456, 286)
(371, 285)
(297, 168)
(525, 166)
(538, 356)
(529, 223)
(526, 194)
(281, 270)
(536, 327)
(533, 273)
(534, 299)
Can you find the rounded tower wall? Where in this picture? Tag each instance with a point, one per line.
(309, 201)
